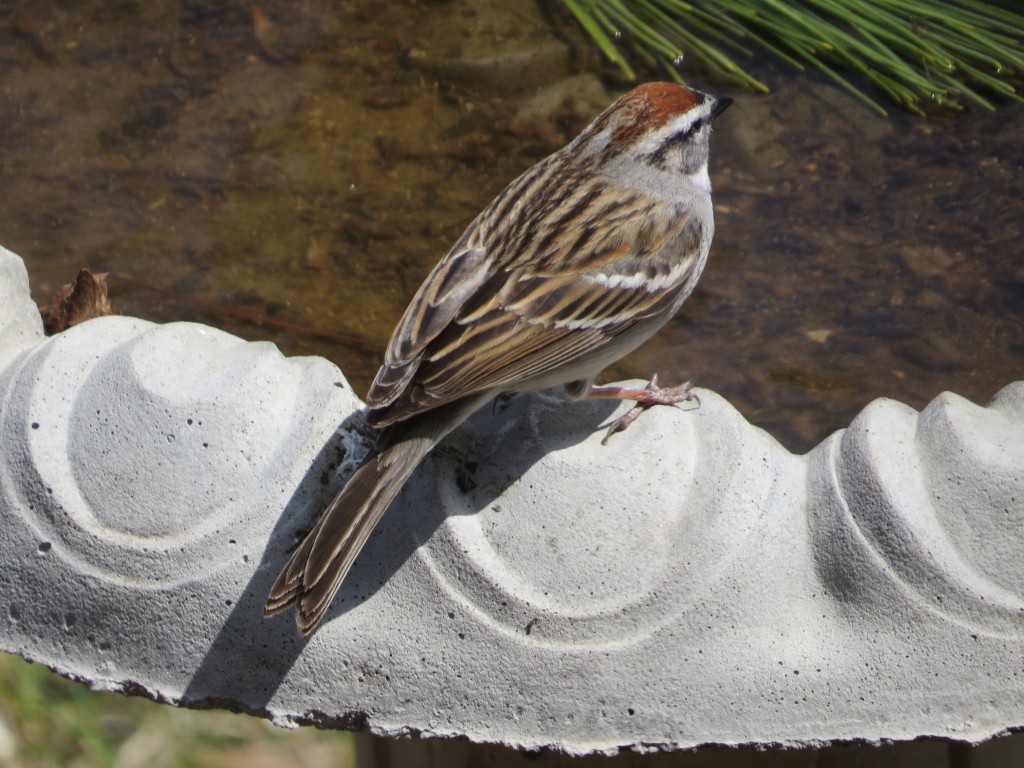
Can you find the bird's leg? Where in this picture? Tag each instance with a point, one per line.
(649, 396)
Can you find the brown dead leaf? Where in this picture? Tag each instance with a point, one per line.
(77, 302)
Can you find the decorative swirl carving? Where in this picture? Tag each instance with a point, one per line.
(105, 418)
(927, 508)
(648, 540)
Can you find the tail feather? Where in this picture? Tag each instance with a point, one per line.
(316, 570)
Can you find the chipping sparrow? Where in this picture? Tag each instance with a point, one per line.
(576, 263)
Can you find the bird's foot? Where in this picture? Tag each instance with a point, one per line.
(645, 398)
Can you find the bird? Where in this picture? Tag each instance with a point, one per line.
(575, 263)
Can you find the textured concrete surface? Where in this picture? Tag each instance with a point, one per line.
(20, 323)
(691, 583)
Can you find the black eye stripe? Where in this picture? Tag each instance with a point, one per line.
(681, 138)
(675, 141)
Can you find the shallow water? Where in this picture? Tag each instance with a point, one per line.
(291, 173)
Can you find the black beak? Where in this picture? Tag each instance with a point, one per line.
(720, 106)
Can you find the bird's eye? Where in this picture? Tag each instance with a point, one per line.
(684, 136)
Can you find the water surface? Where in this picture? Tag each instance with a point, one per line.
(291, 172)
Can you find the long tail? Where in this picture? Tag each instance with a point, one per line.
(314, 574)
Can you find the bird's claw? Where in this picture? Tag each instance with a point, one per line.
(652, 395)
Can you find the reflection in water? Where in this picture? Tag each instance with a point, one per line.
(309, 162)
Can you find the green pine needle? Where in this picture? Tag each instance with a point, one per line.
(918, 53)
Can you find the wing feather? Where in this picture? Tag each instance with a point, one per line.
(436, 304)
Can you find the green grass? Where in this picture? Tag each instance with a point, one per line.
(920, 54)
(46, 720)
